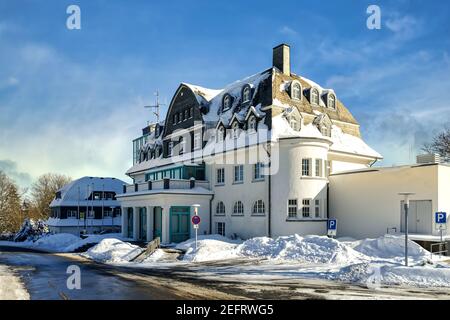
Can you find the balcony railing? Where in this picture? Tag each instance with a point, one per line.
(166, 184)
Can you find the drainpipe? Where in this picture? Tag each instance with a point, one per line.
(210, 213)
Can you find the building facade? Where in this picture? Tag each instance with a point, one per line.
(87, 205)
(256, 156)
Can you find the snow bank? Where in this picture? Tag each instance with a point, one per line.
(56, 242)
(113, 251)
(11, 288)
(390, 247)
(315, 249)
(209, 248)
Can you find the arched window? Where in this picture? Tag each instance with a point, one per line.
(238, 208)
(252, 124)
(220, 208)
(314, 96)
(332, 101)
(296, 92)
(220, 134)
(226, 102)
(258, 207)
(235, 130)
(246, 94)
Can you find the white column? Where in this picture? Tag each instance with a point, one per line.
(165, 224)
(124, 224)
(136, 223)
(150, 223)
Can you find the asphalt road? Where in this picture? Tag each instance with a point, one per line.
(45, 277)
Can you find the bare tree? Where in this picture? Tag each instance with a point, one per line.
(440, 145)
(43, 192)
(11, 214)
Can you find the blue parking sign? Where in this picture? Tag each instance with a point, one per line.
(332, 224)
(440, 217)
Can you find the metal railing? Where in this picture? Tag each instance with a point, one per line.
(166, 184)
(442, 248)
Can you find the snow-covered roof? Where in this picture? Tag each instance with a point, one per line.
(79, 190)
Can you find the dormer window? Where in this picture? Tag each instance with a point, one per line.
(220, 134)
(252, 124)
(296, 90)
(235, 130)
(246, 94)
(314, 96)
(332, 101)
(325, 130)
(226, 102)
(294, 124)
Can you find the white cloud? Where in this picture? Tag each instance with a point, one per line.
(288, 31)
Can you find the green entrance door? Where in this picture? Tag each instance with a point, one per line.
(130, 222)
(157, 223)
(143, 224)
(179, 224)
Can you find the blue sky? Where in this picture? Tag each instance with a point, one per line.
(71, 101)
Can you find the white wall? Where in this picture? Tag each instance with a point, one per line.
(367, 203)
(288, 183)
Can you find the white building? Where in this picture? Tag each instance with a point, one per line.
(255, 155)
(367, 202)
(87, 205)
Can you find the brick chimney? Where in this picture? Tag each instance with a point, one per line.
(282, 58)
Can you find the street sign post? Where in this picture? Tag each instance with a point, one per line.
(332, 227)
(196, 222)
(440, 219)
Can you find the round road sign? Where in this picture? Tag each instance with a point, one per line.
(195, 220)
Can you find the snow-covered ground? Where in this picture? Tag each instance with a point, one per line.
(11, 288)
(369, 262)
(61, 242)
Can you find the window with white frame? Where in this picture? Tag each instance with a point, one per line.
(226, 102)
(108, 213)
(292, 208)
(327, 168)
(170, 148)
(332, 101)
(235, 130)
(220, 228)
(191, 112)
(259, 208)
(306, 167)
(325, 130)
(246, 94)
(239, 173)
(258, 171)
(220, 134)
(306, 210)
(294, 124)
(318, 167)
(296, 91)
(314, 96)
(72, 214)
(91, 214)
(252, 124)
(220, 208)
(238, 208)
(197, 140)
(186, 114)
(220, 176)
(317, 208)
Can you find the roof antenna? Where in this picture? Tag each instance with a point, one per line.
(156, 106)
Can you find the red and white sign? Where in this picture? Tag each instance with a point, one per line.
(195, 220)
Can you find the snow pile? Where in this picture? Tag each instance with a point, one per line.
(56, 242)
(390, 247)
(91, 239)
(31, 230)
(113, 251)
(209, 248)
(314, 249)
(11, 288)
